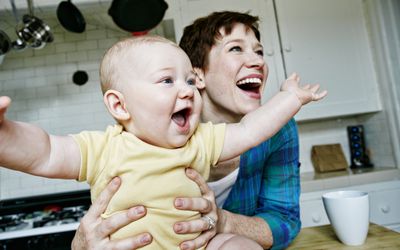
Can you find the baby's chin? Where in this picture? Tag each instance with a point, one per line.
(177, 142)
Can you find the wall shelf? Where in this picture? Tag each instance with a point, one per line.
(312, 181)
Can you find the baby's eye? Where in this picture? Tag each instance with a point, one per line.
(236, 49)
(191, 81)
(167, 80)
(260, 52)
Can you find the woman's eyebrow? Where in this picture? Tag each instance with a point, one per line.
(238, 40)
(259, 45)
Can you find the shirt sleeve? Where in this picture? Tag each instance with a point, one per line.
(209, 141)
(278, 202)
(91, 144)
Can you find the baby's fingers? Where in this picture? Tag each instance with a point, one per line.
(306, 86)
(319, 96)
(295, 77)
(314, 88)
(4, 104)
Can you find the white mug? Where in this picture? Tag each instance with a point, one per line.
(348, 212)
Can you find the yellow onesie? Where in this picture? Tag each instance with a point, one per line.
(151, 176)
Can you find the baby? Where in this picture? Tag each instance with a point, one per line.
(149, 88)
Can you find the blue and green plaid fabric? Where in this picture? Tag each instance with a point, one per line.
(268, 185)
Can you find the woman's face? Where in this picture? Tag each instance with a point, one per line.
(235, 76)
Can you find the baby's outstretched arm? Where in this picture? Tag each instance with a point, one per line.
(262, 123)
(28, 148)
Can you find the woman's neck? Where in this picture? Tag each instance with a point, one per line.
(217, 114)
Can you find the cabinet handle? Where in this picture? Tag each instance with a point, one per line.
(287, 48)
(385, 209)
(270, 52)
(316, 218)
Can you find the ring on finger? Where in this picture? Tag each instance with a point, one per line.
(210, 221)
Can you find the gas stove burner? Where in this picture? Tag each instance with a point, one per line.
(43, 221)
(58, 217)
(54, 217)
(12, 222)
(59, 222)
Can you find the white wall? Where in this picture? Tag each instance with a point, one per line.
(40, 84)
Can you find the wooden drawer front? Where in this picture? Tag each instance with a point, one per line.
(312, 213)
(385, 207)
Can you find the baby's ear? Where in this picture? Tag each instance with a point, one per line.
(115, 104)
(200, 81)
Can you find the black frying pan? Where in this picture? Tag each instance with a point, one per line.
(5, 43)
(137, 15)
(70, 17)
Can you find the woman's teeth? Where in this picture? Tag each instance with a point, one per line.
(249, 80)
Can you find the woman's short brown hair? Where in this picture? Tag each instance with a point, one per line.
(199, 37)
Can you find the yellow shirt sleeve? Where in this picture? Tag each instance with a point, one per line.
(210, 141)
(92, 145)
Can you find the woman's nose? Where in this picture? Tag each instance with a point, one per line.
(255, 60)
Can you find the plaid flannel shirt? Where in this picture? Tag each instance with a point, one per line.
(268, 185)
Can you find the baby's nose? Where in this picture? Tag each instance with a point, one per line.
(186, 91)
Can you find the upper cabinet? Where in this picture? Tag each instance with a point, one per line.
(323, 41)
(327, 42)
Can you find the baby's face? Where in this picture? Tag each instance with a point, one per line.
(161, 95)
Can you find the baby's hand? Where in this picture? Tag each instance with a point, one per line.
(4, 104)
(306, 93)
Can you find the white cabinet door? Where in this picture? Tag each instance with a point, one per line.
(264, 9)
(312, 213)
(326, 42)
(385, 207)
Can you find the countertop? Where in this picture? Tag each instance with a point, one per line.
(323, 237)
(312, 181)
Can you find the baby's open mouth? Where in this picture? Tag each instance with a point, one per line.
(250, 84)
(181, 117)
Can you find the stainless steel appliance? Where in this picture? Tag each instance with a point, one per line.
(42, 222)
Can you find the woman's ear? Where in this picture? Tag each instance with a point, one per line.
(200, 82)
(115, 104)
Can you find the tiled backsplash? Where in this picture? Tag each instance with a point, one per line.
(40, 85)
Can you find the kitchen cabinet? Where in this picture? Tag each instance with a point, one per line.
(313, 213)
(384, 200)
(385, 207)
(324, 41)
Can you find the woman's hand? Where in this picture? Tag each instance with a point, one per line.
(205, 205)
(94, 231)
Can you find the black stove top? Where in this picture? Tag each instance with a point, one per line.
(42, 202)
(38, 220)
(49, 216)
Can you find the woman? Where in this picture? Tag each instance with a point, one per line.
(260, 194)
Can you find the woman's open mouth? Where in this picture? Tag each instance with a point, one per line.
(251, 86)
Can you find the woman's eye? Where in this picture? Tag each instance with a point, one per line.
(260, 52)
(235, 49)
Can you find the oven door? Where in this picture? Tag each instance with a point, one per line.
(51, 241)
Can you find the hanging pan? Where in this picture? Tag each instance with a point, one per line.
(5, 43)
(70, 17)
(137, 16)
